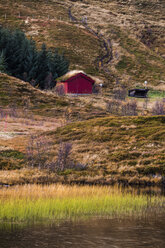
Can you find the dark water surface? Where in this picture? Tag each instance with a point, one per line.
(112, 233)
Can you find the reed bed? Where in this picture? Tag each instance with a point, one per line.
(57, 202)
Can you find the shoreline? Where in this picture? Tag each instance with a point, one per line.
(35, 176)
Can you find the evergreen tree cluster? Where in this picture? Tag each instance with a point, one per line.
(20, 58)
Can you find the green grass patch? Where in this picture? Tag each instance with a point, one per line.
(11, 160)
(156, 94)
(126, 63)
(12, 154)
(68, 202)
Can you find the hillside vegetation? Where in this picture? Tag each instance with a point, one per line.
(26, 111)
(123, 149)
(127, 150)
(126, 37)
(119, 42)
(20, 95)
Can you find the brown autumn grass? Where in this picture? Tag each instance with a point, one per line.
(128, 150)
(121, 22)
(129, 153)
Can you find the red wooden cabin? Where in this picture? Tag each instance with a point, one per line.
(78, 84)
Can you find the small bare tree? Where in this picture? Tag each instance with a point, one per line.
(120, 93)
(147, 36)
(113, 107)
(38, 155)
(63, 158)
(129, 109)
(96, 89)
(37, 151)
(2, 113)
(59, 89)
(159, 108)
(145, 104)
(49, 81)
(13, 111)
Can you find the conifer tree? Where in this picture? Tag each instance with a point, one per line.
(3, 64)
(13, 50)
(60, 64)
(43, 68)
(23, 60)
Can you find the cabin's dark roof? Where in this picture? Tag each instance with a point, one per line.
(140, 90)
(138, 93)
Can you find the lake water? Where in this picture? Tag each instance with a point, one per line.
(127, 232)
(110, 233)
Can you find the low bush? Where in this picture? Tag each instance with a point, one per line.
(122, 108)
(113, 107)
(120, 93)
(60, 91)
(38, 151)
(129, 109)
(159, 108)
(64, 161)
(96, 89)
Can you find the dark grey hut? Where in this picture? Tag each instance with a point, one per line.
(140, 93)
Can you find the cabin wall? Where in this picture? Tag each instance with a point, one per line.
(65, 88)
(79, 86)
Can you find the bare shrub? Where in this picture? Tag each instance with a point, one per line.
(49, 82)
(67, 115)
(11, 112)
(113, 107)
(80, 166)
(159, 108)
(129, 109)
(63, 158)
(147, 36)
(2, 113)
(64, 161)
(59, 89)
(119, 93)
(96, 89)
(37, 151)
(145, 104)
(37, 154)
(121, 108)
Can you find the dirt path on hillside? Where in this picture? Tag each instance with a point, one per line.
(14, 132)
(106, 56)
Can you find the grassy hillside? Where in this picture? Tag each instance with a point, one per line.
(133, 32)
(25, 111)
(20, 95)
(123, 149)
(118, 40)
(127, 150)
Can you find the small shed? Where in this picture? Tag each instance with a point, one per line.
(139, 93)
(78, 84)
